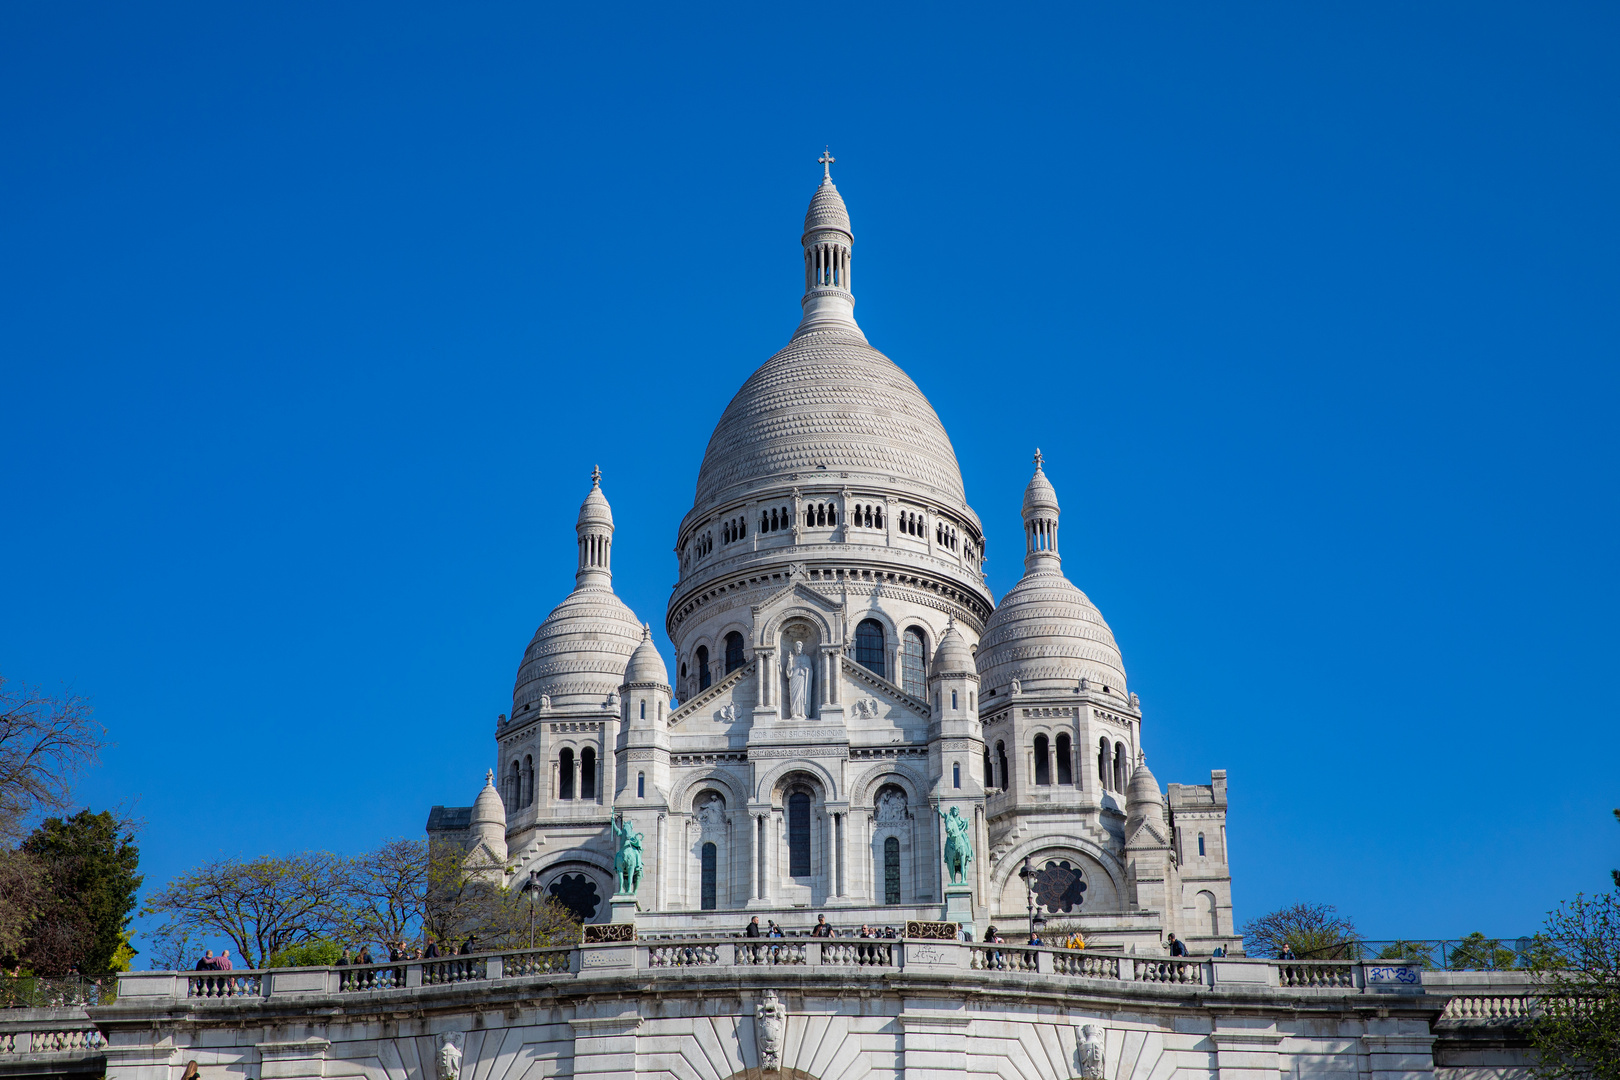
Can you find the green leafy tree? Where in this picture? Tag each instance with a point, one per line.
(1313, 931)
(466, 900)
(90, 860)
(1476, 952)
(23, 888)
(1420, 953)
(385, 895)
(1576, 969)
(316, 952)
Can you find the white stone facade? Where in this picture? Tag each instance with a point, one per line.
(830, 530)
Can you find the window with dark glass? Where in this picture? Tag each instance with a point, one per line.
(798, 823)
(1200, 843)
(869, 646)
(587, 773)
(1120, 761)
(702, 661)
(1001, 753)
(710, 862)
(891, 870)
(989, 771)
(914, 647)
(565, 774)
(956, 774)
(1043, 764)
(1104, 776)
(641, 785)
(734, 651)
(1065, 766)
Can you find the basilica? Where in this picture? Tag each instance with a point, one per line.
(844, 686)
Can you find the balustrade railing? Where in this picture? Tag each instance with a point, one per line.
(459, 969)
(1002, 958)
(225, 985)
(539, 962)
(861, 952)
(1091, 966)
(1180, 972)
(1490, 1007)
(772, 951)
(1320, 974)
(372, 977)
(52, 1041)
(693, 954)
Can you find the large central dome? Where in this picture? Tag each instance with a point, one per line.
(829, 402)
(829, 405)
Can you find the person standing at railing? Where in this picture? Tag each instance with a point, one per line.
(223, 963)
(1287, 952)
(1177, 948)
(821, 928)
(432, 952)
(752, 929)
(207, 962)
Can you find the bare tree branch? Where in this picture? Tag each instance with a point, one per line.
(45, 742)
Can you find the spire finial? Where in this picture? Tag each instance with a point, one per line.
(826, 162)
(596, 476)
(1037, 457)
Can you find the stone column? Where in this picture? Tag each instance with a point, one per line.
(831, 674)
(768, 676)
(605, 1047)
(839, 829)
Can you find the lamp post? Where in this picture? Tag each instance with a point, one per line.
(534, 884)
(1028, 875)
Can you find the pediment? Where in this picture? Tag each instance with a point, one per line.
(864, 684)
(716, 696)
(798, 597)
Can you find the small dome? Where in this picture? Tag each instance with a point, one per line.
(1144, 787)
(827, 210)
(1046, 634)
(646, 666)
(578, 654)
(595, 510)
(1144, 803)
(953, 657)
(1040, 494)
(487, 808)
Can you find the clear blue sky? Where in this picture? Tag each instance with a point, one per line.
(314, 319)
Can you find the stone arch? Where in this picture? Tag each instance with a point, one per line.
(574, 865)
(1010, 862)
(864, 790)
(766, 789)
(773, 1074)
(683, 793)
(768, 632)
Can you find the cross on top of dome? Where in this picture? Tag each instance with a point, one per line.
(1037, 457)
(826, 162)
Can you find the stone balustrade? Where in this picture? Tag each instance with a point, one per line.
(873, 955)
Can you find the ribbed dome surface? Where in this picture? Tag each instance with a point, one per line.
(1046, 630)
(953, 657)
(827, 210)
(488, 808)
(829, 399)
(579, 653)
(1039, 495)
(646, 666)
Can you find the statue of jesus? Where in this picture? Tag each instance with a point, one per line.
(797, 670)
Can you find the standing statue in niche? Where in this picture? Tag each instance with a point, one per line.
(958, 845)
(1091, 1053)
(797, 670)
(627, 860)
(770, 1024)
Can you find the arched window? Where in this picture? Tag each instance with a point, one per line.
(641, 785)
(514, 786)
(989, 771)
(914, 648)
(798, 828)
(1104, 776)
(1001, 756)
(565, 774)
(1121, 778)
(1200, 845)
(956, 774)
(527, 793)
(869, 646)
(1065, 763)
(710, 867)
(1207, 915)
(587, 773)
(1043, 762)
(644, 710)
(891, 870)
(734, 651)
(702, 662)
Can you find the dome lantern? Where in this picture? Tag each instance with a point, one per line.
(828, 302)
(595, 530)
(1040, 519)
